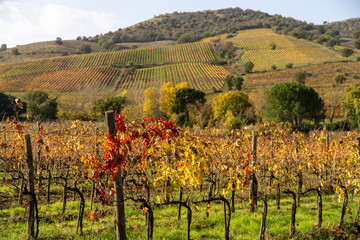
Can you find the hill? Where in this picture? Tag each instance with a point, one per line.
(45, 50)
(193, 26)
(267, 49)
(184, 27)
(346, 27)
(319, 76)
(112, 71)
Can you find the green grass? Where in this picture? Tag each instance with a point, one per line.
(244, 225)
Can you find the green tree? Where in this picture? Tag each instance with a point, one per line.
(248, 66)
(84, 49)
(3, 47)
(116, 103)
(14, 51)
(10, 106)
(289, 65)
(272, 46)
(357, 44)
(59, 41)
(355, 34)
(39, 105)
(347, 52)
(5, 107)
(351, 105)
(230, 108)
(339, 78)
(299, 76)
(185, 97)
(234, 82)
(293, 102)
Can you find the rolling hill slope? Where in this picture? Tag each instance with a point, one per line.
(112, 71)
(266, 49)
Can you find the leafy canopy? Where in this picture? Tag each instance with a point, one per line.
(351, 104)
(116, 103)
(40, 105)
(232, 104)
(248, 66)
(84, 48)
(10, 106)
(234, 82)
(186, 96)
(299, 76)
(293, 102)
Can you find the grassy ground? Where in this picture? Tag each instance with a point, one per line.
(244, 225)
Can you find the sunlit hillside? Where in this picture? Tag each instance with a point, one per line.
(266, 49)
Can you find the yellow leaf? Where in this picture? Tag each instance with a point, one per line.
(144, 211)
(208, 207)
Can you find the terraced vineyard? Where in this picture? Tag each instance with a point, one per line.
(87, 78)
(100, 71)
(199, 75)
(266, 49)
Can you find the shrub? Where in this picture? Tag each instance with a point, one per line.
(289, 65)
(248, 66)
(83, 49)
(347, 52)
(40, 105)
(299, 76)
(355, 76)
(339, 78)
(293, 102)
(15, 52)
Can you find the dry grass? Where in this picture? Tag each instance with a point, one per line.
(140, 45)
(46, 49)
(321, 80)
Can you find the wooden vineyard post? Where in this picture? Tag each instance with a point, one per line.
(38, 159)
(293, 213)
(180, 199)
(31, 190)
(263, 219)
(118, 185)
(253, 183)
(93, 182)
(299, 173)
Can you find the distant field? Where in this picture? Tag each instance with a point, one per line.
(102, 71)
(47, 49)
(139, 45)
(266, 49)
(152, 64)
(321, 80)
(202, 76)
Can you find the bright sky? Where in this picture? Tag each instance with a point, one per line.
(27, 21)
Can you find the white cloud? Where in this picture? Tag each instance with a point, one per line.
(21, 25)
(59, 19)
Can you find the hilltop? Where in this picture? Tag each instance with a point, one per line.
(184, 27)
(193, 26)
(346, 27)
(45, 49)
